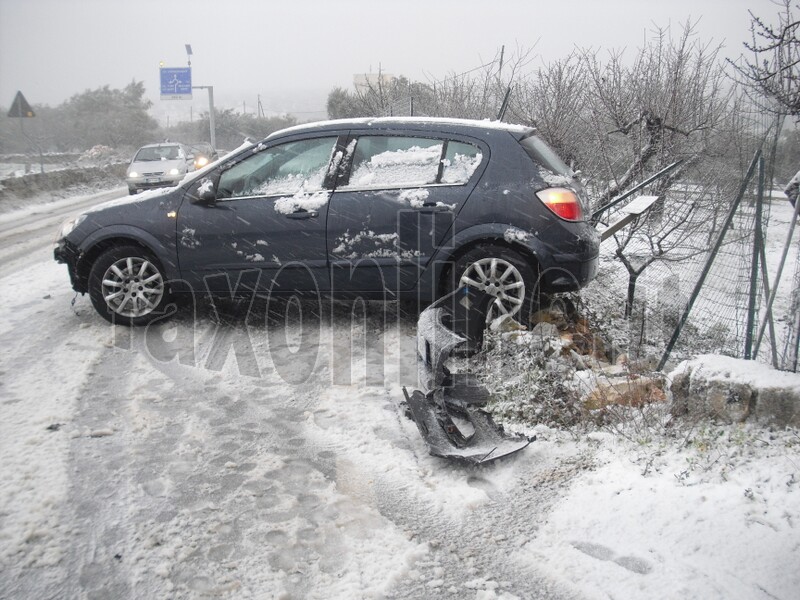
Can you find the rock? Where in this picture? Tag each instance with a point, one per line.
(546, 330)
(630, 391)
(506, 323)
(777, 406)
(552, 315)
(696, 395)
(731, 403)
(97, 433)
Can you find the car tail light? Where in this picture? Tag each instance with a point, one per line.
(563, 202)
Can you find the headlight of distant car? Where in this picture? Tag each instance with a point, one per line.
(70, 224)
(133, 174)
(174, 172)
(200, 162)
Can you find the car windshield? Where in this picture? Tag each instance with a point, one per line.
(204, 149)
(149, 153)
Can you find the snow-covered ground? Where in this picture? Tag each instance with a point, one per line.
(254, 458)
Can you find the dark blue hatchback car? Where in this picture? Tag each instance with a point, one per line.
(387, 208)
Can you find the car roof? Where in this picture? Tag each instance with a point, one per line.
(161, 144)
(433, 124)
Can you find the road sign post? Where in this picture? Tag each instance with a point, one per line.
(20, 109)
(211, 123)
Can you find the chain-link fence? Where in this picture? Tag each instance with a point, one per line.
(710, 293)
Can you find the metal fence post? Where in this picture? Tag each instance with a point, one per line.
(751, 305)
(710, 261)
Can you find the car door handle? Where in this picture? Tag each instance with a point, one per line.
(302, 214)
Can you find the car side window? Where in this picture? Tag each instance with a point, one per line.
(281, 170)
(385, 161)
(460, 162)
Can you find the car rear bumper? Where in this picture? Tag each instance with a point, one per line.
(569, 272)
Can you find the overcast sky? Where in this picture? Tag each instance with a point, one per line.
(53, 49)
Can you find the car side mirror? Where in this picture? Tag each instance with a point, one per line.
(205, 195)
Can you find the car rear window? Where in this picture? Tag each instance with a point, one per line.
(544, 155)
(460, 162)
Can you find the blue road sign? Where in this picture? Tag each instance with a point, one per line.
(176, 83)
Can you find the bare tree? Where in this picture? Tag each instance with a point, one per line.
(660, 108)
(480, 92)
(670, 103)
(476, 94)
(773, 71)
(553, 99)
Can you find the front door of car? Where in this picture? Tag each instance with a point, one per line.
(395, 207)
(265, 228)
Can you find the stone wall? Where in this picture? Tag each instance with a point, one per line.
(734, 390)
(34, 184)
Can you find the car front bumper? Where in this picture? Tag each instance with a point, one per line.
(66, 253)
(148, 183)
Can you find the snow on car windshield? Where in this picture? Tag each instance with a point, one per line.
(292, 183)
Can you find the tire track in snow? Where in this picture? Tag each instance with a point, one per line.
(210, 485)
(28, 237)
(48, 352)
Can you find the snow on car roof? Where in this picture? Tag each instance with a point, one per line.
(386, 122)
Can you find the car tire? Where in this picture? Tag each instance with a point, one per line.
(132, 191)
(501, 272)
(128, 286)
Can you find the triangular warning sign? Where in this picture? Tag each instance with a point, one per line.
(20, 107)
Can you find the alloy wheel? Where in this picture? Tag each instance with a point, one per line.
(499, 278)
(132, 287)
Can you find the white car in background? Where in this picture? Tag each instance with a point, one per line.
(159, 165)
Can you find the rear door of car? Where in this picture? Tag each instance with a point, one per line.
(395, 204)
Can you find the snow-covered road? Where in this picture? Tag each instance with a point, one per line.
(244, 458)
(32, 231)
(233, 457)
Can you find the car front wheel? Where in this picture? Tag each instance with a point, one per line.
(128, 286)
(500, 272)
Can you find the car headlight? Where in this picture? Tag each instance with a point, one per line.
(70, 225)
(133, 174)
(174, 172)
(200, 161)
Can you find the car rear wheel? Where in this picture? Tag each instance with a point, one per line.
(128, 286)
(500, 272)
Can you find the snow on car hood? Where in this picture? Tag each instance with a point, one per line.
(138, 198)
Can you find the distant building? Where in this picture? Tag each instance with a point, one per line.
(364, 81)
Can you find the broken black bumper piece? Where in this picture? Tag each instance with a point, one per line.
(448, 410)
